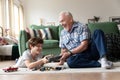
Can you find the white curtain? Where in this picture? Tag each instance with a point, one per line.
(0, 13)
(1, 16)
(11, 18)
(21, 18)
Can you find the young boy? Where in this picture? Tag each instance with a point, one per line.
(32, 58)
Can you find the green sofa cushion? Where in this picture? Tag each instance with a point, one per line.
(50, 44)
(107, 27)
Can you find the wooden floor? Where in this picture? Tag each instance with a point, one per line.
(60, 76)
(66, 76)
(6, 63)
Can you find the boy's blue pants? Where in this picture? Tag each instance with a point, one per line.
(90, 57)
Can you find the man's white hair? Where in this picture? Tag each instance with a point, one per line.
(66, 13)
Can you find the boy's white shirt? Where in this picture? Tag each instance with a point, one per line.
(20, 61)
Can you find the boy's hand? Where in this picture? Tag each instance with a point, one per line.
(44, 60)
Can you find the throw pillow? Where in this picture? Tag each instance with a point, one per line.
(33, 33)
(46, 34)
(43, 33)
(3, 41)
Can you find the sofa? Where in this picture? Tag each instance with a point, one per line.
(50, 46)
(8, 47)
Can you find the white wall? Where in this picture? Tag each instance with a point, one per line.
(82, 10)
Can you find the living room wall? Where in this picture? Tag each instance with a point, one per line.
(82, 10)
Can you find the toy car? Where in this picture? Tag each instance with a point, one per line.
(10, 69)
(54, 58)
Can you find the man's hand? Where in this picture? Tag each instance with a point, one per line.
(64, 55)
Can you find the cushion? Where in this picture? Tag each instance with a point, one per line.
(54, 30)
(8, 40)
(43, 33)
(3, 41)
(50, 44)
(113, 46)
(46, 34)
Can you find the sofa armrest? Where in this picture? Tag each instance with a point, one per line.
(22, 42)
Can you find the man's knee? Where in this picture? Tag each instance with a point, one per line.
(98, 31)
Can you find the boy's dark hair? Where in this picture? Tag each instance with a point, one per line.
(34, 41)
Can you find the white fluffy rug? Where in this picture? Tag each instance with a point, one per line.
(116, 68)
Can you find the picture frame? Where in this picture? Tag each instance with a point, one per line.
(91, 20)
(115, 19)
(51, 23)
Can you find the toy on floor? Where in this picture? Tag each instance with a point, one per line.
(47, 68)
(52, 58)
(10, 69)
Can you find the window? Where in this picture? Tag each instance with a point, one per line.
(12, 16)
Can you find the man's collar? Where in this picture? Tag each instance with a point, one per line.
(73, 26)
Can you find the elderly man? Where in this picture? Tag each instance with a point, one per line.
(78, 47)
